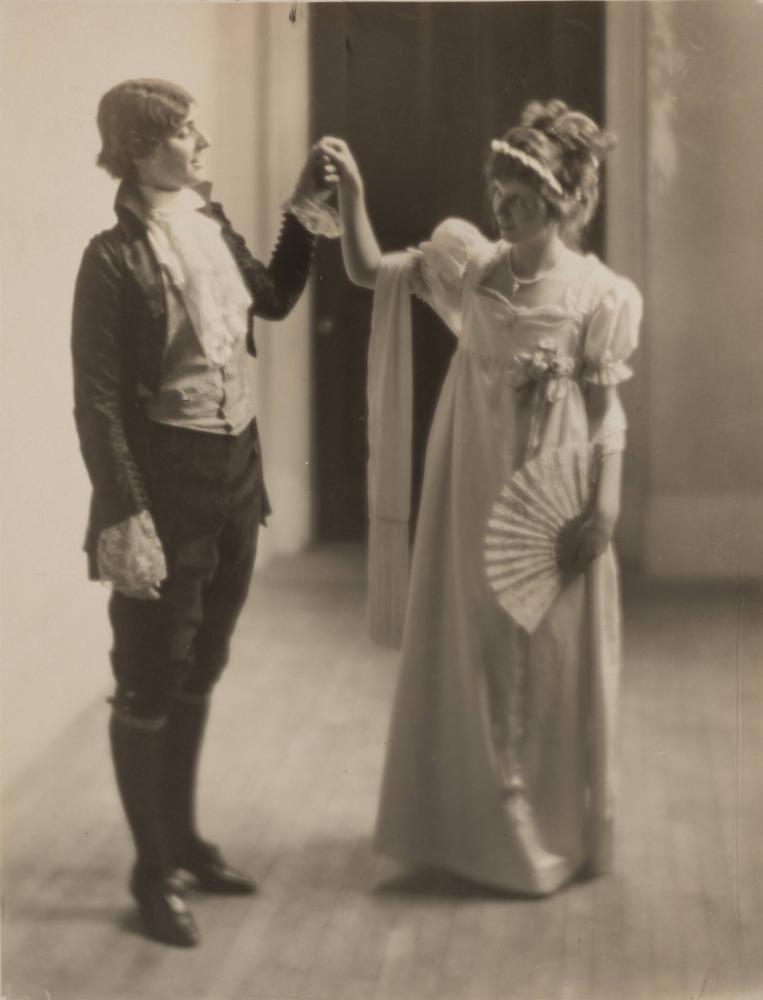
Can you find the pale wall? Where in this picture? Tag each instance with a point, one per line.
(684, 92)
(247, 66)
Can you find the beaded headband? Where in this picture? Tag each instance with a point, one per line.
(501, 146)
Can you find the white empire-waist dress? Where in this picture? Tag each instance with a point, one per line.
(499, 756)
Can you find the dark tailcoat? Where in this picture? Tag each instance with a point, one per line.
(119, 334)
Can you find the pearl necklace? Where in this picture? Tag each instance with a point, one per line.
(539, 276)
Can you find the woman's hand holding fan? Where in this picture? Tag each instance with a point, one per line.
(540, 530)
(591, 538)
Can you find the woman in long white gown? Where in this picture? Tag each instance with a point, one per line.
(499, 759)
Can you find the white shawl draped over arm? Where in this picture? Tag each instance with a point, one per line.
(390, 422)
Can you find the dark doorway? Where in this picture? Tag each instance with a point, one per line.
(418, 90)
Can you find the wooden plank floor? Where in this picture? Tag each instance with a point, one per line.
(290, 778)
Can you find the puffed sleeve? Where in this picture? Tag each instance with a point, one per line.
(612, 334)
(441, 266)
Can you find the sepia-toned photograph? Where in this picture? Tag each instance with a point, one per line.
(382, 500)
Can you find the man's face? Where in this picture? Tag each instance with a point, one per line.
(177, 161)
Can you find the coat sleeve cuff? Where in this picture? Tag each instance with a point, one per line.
(316, 217)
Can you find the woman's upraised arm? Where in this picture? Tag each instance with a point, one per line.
(360, 249)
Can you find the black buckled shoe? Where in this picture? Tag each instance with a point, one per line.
(212, 873)
(163, 909)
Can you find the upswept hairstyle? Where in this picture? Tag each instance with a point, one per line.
(134, 117)
(569, 144)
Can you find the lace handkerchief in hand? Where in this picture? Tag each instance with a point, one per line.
(318, 217)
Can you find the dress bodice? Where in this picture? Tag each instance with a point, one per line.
(494, 327)
(590, 321)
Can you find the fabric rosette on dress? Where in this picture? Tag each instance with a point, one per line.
(541, 378)
(547, 366)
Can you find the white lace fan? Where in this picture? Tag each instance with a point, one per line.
(542, 502)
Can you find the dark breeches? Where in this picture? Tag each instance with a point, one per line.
(207, 500)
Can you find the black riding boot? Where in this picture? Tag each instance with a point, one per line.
(185, 732)
(137, 750)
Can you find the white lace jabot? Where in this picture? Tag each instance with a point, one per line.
(190, 247)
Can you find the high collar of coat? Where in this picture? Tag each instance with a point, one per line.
(131, 205)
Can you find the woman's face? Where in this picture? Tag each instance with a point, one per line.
(176, 162)
(519, 210)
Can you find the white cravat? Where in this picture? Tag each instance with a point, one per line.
(190, 247)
